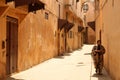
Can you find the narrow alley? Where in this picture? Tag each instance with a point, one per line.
(52, 39)
(77, 65)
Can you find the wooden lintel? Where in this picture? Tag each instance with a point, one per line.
(4, 10)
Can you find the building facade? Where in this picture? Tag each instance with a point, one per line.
(34, 31)
(89, 21)
(107, 30)
(70, 26)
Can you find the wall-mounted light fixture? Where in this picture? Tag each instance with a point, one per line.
(85, 7)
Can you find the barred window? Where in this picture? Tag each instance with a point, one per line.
(46, 15)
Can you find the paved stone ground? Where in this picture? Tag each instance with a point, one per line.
(77, 65)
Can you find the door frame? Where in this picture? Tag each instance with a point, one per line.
(11, 54)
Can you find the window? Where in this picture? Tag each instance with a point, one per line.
(46, 15)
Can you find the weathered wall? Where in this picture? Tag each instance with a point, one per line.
(39, 39)
(76, 34)
(74, 17)
(90, 13)
(2, 1)
(108, 22)
(62, 42)
(70, 40)
(61, 7)
(36, 37)
(90, 16)
(73, 37)
(71, 12)
(91, 36)
(2, 51)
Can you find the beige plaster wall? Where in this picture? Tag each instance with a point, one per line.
(39, 39)
(108, 22)
(2, 51)
(36, 37)
(91, 36)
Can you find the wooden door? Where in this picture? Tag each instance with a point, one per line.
(12, 45)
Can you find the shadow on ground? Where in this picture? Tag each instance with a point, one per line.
(59, 57)
(101, 77)
(87, 53)
(10, 78)
(67, 54)
(78, 49)
(97, 75)
(62, 56)
(80, 64)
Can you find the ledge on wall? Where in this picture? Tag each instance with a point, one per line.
(33, 5)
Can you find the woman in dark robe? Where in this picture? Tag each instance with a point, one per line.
(97, 54)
